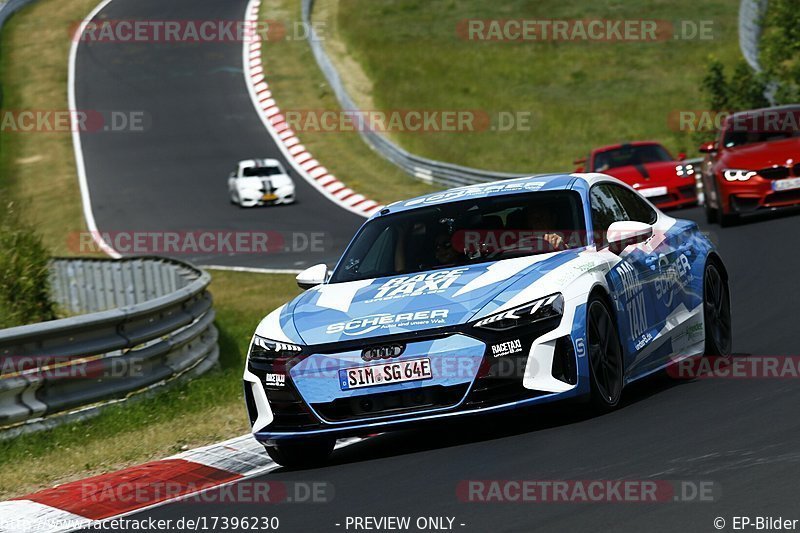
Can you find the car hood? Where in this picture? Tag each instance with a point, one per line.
(403, 304)
(646, 175)
(762, 155)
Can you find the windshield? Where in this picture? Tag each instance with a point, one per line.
(630, 155)
(463, 233)
(248, 172)
(762, 127)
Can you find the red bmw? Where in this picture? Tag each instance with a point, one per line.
(754, 165)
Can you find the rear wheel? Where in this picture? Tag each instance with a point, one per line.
(605, 356)
(301, 454)
(716, 312)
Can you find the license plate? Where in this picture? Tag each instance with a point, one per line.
(653, 191)
(786, 185)
(267, 197)
(385, 373)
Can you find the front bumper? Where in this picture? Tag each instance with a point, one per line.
(549, 367)
(756, 194)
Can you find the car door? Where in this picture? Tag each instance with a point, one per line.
(638, 317)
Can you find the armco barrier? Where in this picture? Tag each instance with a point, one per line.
(428, 170)
(451, 175)
(152, 323)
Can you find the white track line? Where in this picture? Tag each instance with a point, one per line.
(88, 215)
(286, 140)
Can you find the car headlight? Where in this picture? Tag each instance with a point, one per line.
(685, 170)
(733, 174)
(549, 307)
(264, 350)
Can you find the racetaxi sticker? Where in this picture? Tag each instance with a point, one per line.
(274, 380)
(418, 285)
(449, 196)
(633, 291)
(363, 325)
(507, 348)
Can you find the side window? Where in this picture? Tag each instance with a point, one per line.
(605, 211)
(636, 208)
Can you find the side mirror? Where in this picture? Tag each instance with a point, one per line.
(708, 148)
(579, 161)
(622, 234)
(681, 156)
(312, 276)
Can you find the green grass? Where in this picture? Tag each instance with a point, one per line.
(297, 84)
(206, 410)
(38, 172)
(579, 94)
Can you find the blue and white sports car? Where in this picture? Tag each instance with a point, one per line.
(481, 299)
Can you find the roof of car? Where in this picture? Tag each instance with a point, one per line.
(259, 163)
(547, 182)
(622, 145)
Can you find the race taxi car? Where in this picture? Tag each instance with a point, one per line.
(649, 168)
(481, 299)
(256, 182)
(754, 165)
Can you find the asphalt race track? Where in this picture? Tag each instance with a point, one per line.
(739, 434)
(198, 122)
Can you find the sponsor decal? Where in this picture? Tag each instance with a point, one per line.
(367, 324)
(274, 380)
(507, 348)
(418, 285)
(450, 196)
(644, 341)
(580, 347)
(674, 277)
(633, 293)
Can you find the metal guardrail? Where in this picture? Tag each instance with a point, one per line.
(428, 170)
(151, 322)
(751, 15)
(432, 171)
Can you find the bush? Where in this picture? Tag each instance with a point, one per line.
(780, 49)
(24, 274)
(744, 90)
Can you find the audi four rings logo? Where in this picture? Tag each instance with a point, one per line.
(382, 352)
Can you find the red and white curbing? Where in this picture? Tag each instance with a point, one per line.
(286, 139)
(78, 504)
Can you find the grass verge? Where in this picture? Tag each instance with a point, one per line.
(579, 94)
(37, 170)
(298, 85)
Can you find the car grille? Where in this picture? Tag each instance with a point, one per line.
(779, 172)
(390, 403)
(289, 410)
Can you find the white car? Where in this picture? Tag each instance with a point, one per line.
(257, 182)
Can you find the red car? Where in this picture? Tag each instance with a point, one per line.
(754, 165)
(648, 167)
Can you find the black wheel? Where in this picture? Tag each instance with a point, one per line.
(716, 312)
(605, 356)
(301, 454)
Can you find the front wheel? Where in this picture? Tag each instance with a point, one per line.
(605, 356)
(301, 454)
(716, 312)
